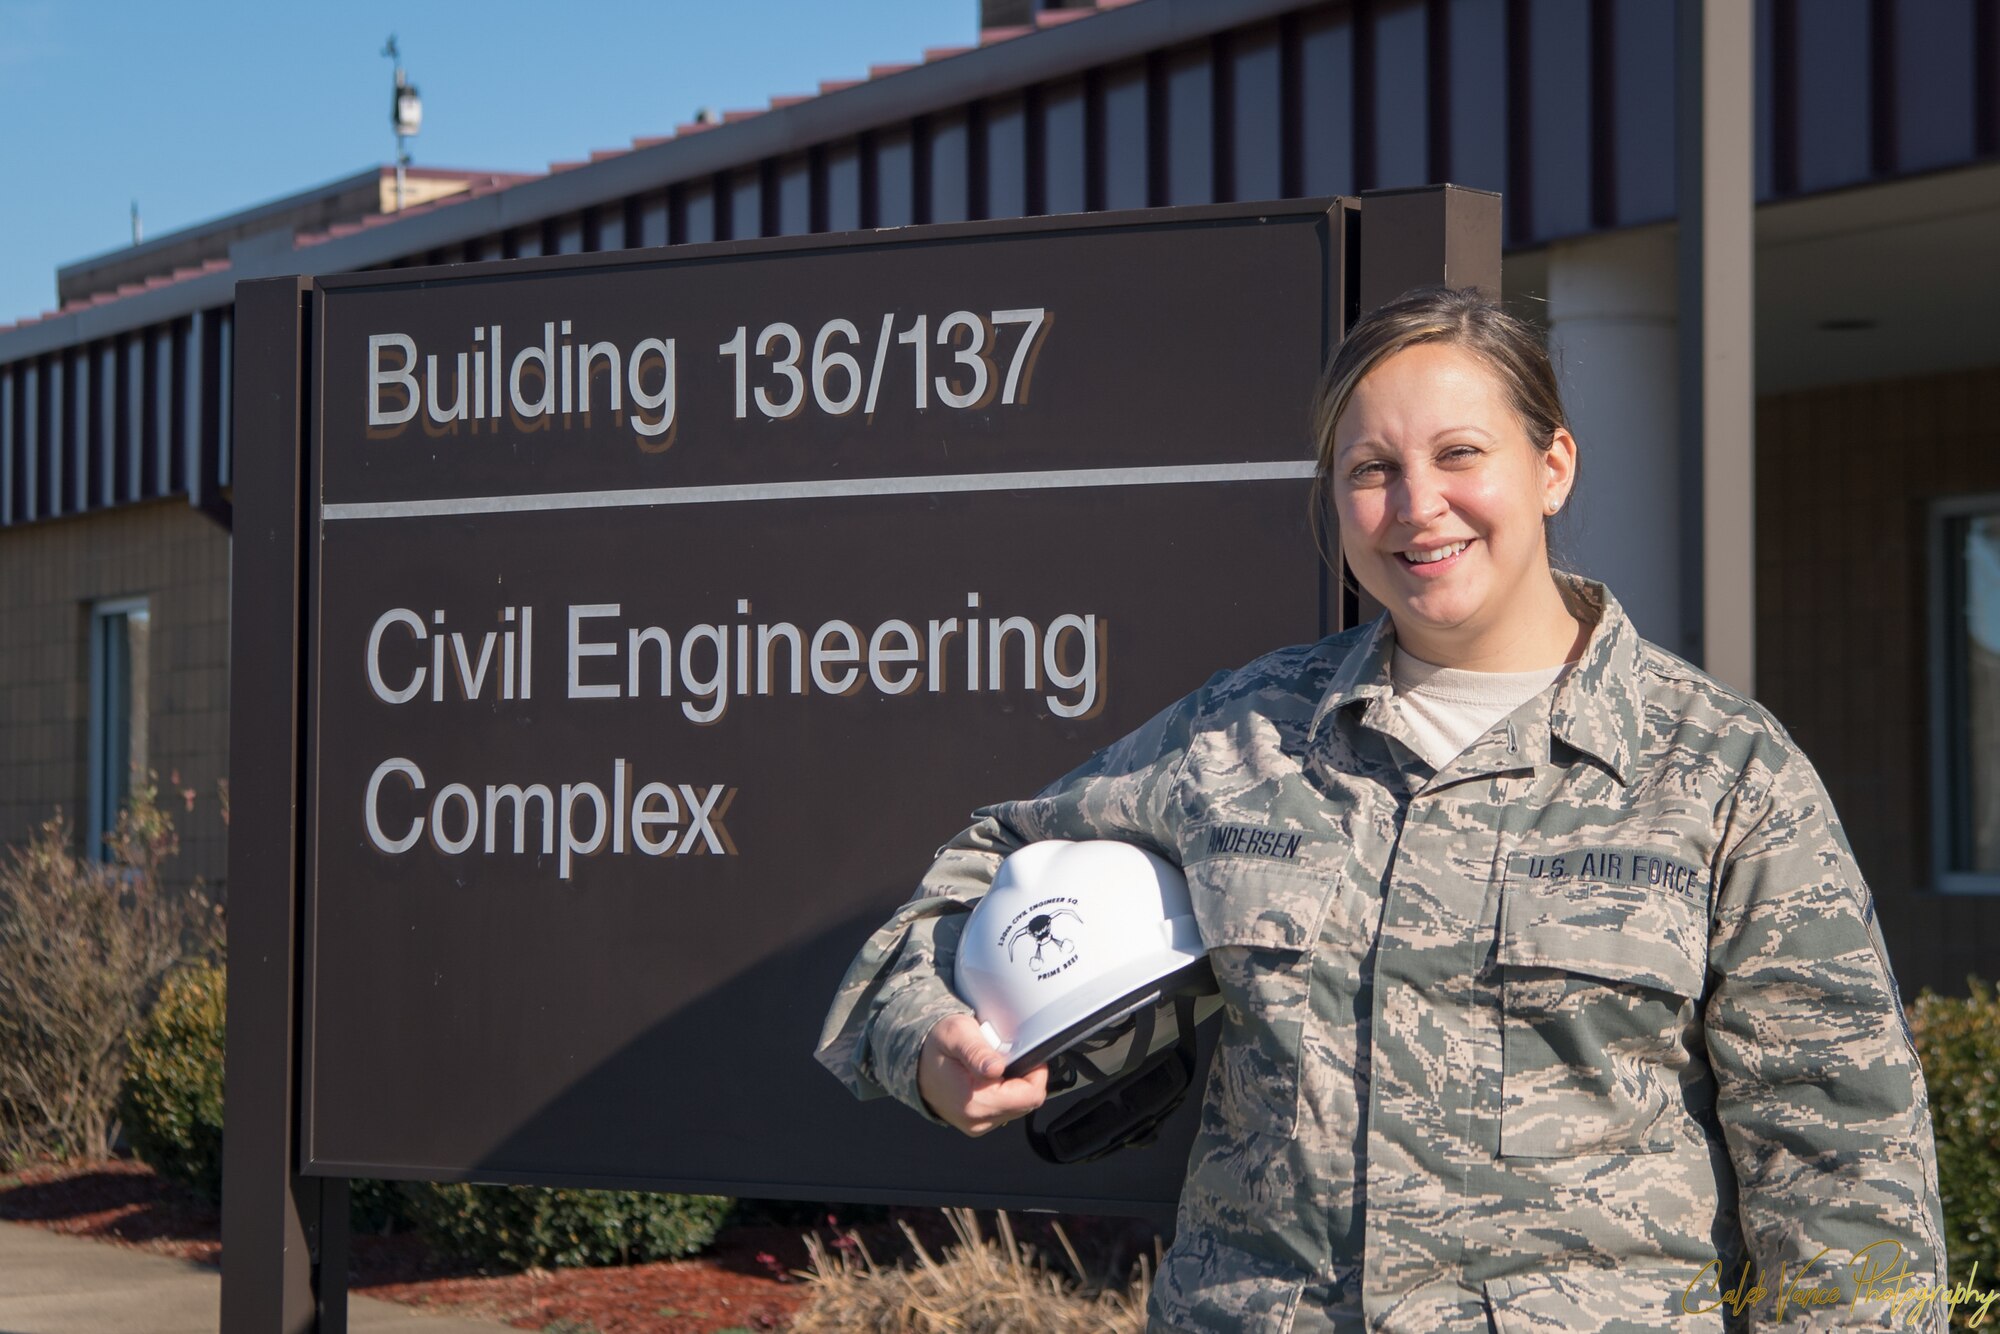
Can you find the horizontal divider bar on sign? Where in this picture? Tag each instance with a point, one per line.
(1288, 470)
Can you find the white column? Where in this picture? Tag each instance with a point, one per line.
(1715, 199)
(1612, 334)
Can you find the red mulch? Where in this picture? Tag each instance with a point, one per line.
(743, 1281)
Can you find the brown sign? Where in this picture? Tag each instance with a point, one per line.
(666, 613)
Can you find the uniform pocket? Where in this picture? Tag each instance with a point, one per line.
(1628, 1299)
(1258, 922)
(1599, 984)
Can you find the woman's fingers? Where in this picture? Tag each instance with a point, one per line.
(963, 1079)
(996, 1102)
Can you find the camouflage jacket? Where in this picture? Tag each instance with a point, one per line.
(1565, 1032)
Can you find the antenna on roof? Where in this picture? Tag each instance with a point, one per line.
(406, 114)
(137, 231)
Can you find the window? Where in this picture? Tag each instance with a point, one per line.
(119, 710)
(1965, 692)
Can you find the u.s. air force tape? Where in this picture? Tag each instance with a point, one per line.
(1609, 865)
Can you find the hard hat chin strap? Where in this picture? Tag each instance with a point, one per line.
(1131, 1103)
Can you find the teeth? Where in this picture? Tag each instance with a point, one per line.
(1427, 557)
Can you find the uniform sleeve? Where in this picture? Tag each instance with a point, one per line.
(898, 986)
(1818, 1088)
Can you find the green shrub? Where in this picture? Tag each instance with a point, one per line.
(1958, 1041)
(172, 1098)
(521, 1227)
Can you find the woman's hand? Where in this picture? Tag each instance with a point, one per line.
(959, 1074)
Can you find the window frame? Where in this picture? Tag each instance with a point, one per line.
(103, 815)
(1946, 635)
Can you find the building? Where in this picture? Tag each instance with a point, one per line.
(114, 482)
(1877, 478)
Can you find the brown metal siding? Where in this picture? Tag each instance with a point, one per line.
(30, 438)
(1835, 91)
(1395, 150)
(1124, 137)
(1323, 65)
(1252, 113)
(1470, 129)
(135, 417)
(949, 195)
(1640, 136)
(1935, 72)
(1843, 478)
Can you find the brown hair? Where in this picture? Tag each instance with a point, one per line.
(1461, 317)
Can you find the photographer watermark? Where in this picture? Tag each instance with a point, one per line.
(1877, 1273)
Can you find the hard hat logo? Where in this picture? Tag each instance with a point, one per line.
(1041, 928)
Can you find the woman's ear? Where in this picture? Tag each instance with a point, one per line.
(1558, 470)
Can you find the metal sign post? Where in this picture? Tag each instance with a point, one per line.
(617, 635)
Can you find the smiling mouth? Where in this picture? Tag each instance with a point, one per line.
(1433, 555)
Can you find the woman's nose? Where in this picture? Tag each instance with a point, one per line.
(1420, 500)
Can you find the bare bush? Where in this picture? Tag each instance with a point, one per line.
(981, 1286)
(83, 948)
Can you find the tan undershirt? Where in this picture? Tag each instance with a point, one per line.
(1449, 708)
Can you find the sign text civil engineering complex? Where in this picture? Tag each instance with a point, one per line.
(607, 655)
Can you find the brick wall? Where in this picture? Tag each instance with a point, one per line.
(50, 576)
(1844, 475)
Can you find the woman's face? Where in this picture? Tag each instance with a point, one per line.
(1431, 461)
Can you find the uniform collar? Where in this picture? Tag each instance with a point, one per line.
(1596, 708)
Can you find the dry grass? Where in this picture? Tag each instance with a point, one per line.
(982, 1286)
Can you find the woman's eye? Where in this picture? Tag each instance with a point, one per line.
(1368, 472)
(1460, 453)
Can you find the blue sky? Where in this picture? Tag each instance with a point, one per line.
(201, 108)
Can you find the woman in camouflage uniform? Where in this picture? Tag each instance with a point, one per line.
(1571, 1016)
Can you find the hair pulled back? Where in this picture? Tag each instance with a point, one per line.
(1462, 317)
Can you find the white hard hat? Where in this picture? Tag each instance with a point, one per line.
(1088, 951)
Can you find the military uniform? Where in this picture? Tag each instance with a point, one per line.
(1560, 1034)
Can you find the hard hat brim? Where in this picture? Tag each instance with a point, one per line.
(1105, 1002)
